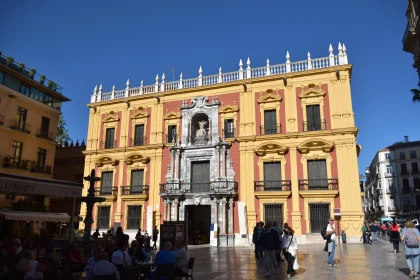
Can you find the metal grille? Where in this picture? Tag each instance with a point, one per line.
(103, 216)
(274, 213)
(133, 217)
(319, 214)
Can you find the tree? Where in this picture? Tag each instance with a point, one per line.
(62, 133)
(416, 94)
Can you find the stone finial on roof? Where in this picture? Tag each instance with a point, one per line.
(248, 64)
(309, 61)
(240, 64)
(268, 72)
(287, 56)
(330, 49)
(128, 83)
(141, 83)
(77, 143)
(83, 142)
(345, 54)
(95, 90)
(100, 89)
(157, 78)
(200, 72)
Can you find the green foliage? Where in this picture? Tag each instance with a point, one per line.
(30, 204)
(416, 94)
(21, 65)
(10, 60)
(42, 78)
(62, 133)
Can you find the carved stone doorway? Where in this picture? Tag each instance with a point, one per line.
(198, 222)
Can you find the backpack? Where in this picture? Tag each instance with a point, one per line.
(411, 239)
(324, 233)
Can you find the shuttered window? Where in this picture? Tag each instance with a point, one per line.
(45, 126)
(229, 128)
(317, 174)
(273, 212)
(103, 217)
(272, 175)
(319, 214)
(137, 181)
(313, 117)
(139, 135)
(106, 183)
(109, 139)
(200, 176)
(270, 122)
(133, 217)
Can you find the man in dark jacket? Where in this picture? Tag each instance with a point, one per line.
(270, 243)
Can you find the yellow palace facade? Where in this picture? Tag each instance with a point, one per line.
(224, 151)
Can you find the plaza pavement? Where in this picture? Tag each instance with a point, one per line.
(357, 261)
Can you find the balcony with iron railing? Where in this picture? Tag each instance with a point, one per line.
(21, 126)
(318, 184)
(270, 129)
(137, 142)
(415, 171)
(108, 190)
(222, 186)
(406, 190)
(135, 190)
(229, 133)
(404, 172)
(44, 169)
(272, 186)
(171, 138)
(45, 134)
(241, 74)
(313, 126)
(108, 144)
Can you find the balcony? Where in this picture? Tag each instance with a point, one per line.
(138, 142)
(406, 190)
(409, 38)
(230, 133)
(133, 190)
(272, 186)
(1, 119)
(272, 129)
(170, 138)
(41, 133)
(44, 170)
(415, 171)
(22, 127)
(404, 172)
(108, 144)
(22, 164)
(107, 191)
(313, 126)
(212, 188)
(318, 184)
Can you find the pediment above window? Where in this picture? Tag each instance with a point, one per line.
(139, 114)
(312, 91)
(111, 117)
(136, 157)
(315, 145)
(105, 161)
(269, 98)
(229, 109)
(172, 116)
(270, 148)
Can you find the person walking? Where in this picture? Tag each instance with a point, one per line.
(258, 249)
(291, 250)
(395, 231)
(280, 233)
(270, 243)
(411, 238)
(155, 236)
(374, 228)
(331, 242)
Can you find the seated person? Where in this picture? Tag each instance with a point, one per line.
(164, 256)
(132, 252)
(97, 256)
(74, 258)
(181, 259)
(19, 272)
(120, 258)
(110, 248)
(102, 267)
(36, 271)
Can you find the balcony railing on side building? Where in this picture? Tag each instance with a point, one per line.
(247, 73)
(41, 133)
(109, 144)
(43, 169)
(270, 129)
(313, 126)
(228, 133)
(137, 189)
(22, 127)
(108, 190)
(137, 142)
(318, 184)
(280, 185)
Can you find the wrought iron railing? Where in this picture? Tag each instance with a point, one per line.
(406, 190)
(23, 127)
(137, 142)
(108, 190)
(138, 189)
(313, 126)
(318, 184)
(45, 169)
(280, 185)
(229, 133)
(170, 138)
(109, 144)
(214, 186)
(42, 133)
(270, 129)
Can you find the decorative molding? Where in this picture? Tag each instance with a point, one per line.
(105, 161)
(315, 145)
(271, 147)
(140, 114)
(319, 194)
(312, 91)
(111, 117)
(273, 195)
(136, 157)
(172, 116)
(269, 98)
(228, 109)
(135, 198)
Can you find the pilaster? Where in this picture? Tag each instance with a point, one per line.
(291, 107)
(296, 214)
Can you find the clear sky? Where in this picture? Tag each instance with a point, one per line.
(80, 44)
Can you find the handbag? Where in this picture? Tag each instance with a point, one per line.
(287, 249)
(295, 265)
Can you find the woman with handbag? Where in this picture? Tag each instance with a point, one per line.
(291, 251)
(395, 236)
(411, 238)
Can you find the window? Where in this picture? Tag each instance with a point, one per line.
(317, 175)
(319, 213)
(406, 185)
(404, 168)
(45, 127)
(416, 182)
(12, 82)
(21, 118)
(387, 156)
(103, 217)
(1, 77)
(414, 167)
(172, 137)
(313, 118)
(402, 155)
(389, 183)
(229, 128)
(388, 169)
(106, 183)
(40, 162)
(109, 138)
(137, 181)
(25, 89)
(270, 122)
(272, 176)
(139, 135)
(413, 154)
(16, 153)
(133, 217)
(273, 212)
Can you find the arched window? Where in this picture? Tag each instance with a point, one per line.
(404, 168)
(406, 185)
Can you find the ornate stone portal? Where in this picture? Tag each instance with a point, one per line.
(201, 142)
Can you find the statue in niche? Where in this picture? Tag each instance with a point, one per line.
(202, 131)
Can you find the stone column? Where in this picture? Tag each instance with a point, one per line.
(189, 134)
(175, 210)
(216, 212)
(176, 165)
(172, 165)
(223, 173)
(231, 216)
(223, 227)
(168, 211)
(217, 163)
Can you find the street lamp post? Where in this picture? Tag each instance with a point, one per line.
(90, 200)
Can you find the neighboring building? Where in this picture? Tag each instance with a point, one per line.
(274, 143)
(411, 39)
(393, 182)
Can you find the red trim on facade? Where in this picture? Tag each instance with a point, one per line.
(327, 113)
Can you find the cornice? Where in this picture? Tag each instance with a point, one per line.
(319, 194)
(135, 197)
(273, 195)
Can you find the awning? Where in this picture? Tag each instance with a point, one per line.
(24, 185)
(35, 216)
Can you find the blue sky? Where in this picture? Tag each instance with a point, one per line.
(80, 44)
